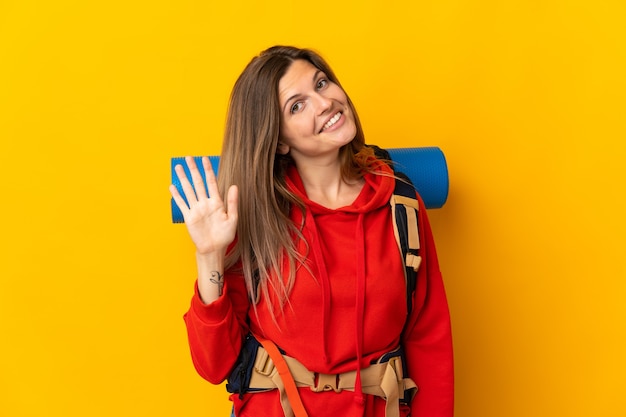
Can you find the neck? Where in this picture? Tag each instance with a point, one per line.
(324, 184)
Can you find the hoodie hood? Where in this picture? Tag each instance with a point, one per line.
(375, 193)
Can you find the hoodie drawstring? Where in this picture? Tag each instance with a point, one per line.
(360, 305)
(323, 278)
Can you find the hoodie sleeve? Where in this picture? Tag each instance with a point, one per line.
(216, 331)
(428, 336)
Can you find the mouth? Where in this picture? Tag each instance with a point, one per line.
(332, 121)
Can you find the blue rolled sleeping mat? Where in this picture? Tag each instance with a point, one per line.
(425, 166)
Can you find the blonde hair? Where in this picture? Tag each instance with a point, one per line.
(266, 236)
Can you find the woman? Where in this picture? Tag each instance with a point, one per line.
(302, 255)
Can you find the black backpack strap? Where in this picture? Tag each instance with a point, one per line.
(404, 210)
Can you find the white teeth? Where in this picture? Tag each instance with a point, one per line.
(332, 121)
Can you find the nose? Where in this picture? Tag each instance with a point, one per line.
(322, 103)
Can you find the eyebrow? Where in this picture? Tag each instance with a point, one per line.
(298, 94)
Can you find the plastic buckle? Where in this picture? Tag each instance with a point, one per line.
(326, 382)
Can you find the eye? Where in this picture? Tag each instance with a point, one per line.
(296, 107)
(323, 82)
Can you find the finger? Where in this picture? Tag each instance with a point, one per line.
(196, 177)
(211, 181)
(188, 190)
(178, 199)
(233, 201)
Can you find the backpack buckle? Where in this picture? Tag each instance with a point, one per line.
(326, 382)
(263, 363)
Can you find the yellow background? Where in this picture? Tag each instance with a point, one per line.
(525, 98)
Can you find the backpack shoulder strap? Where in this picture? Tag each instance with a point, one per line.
(289, 395)
(404, 210)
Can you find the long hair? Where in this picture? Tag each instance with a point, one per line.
(266, 236)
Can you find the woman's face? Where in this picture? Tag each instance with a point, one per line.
(316, 119)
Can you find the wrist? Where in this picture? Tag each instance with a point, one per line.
(215, 257)
(210, 275)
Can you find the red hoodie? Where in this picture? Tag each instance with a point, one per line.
(350, 303)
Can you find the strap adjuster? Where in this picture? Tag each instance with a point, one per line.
(263, 363)
(395, 363)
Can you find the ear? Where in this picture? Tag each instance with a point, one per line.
(282, 148)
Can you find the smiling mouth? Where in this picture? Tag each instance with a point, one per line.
(332, 121)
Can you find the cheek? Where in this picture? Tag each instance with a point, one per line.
(340, 95)
(287, 126)
(288, 132)
(300, 124)
(352, 121)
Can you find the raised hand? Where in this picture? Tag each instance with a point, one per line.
(211, 224)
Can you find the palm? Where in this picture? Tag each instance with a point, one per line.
(211, 223)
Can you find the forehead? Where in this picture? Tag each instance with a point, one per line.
(300, 75)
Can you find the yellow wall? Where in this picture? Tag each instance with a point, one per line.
(526, 98)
